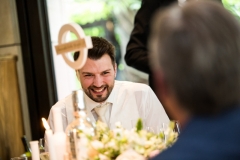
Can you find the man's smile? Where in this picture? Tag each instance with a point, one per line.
(98, 90)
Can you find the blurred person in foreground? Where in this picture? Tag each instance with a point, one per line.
(137, 53)
(118, 101)
(195, 59)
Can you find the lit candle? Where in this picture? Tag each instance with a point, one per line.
(50, 141)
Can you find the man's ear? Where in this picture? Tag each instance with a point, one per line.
(160, 85)
(77, 74)
(115, 68)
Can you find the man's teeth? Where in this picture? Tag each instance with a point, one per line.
(99, 90)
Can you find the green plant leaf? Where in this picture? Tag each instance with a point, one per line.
(139, 125)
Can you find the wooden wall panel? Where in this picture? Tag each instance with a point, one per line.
(11, 123)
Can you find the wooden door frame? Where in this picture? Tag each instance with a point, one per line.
(37, 60)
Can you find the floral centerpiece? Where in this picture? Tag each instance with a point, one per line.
(120, 143)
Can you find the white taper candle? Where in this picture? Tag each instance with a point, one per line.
(35, 150)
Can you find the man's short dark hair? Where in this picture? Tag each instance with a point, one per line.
(100, 47)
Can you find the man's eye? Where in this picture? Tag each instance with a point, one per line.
(104, 73)
(88, 75)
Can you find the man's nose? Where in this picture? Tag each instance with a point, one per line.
(98, 81)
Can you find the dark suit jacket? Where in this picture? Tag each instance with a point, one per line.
(208, 138)
(137, 54)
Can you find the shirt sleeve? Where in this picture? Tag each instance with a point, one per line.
(64, 115)
(50, 119)
(155, 114)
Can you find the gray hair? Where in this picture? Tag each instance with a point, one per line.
(197, 49)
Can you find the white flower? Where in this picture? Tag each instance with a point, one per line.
(97, 144)
(111, 144)
(103, 157)
(83, 140)
(130, 155)
(122, 144)
(118, 124)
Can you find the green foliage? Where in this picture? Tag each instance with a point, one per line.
(139, 125)
(91, 11)
(233, 6)
(95, 31)
(94, 10)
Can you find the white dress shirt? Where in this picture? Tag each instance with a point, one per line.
(127, 103)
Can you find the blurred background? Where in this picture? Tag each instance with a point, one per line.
(110, 19)
(33, 77)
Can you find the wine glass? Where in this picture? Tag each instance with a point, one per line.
(177, 127)
(41, 145)
(113, 125)
(159, 129)
(44, 156)
(150, 129)
(42, 150)
(165, 128)
(134, 123)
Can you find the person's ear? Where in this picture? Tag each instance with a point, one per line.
(77, 74)
(160, 85)
(115, 69)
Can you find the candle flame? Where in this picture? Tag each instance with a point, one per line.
(45, 124)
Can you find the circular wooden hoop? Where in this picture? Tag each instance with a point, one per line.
(77, 30)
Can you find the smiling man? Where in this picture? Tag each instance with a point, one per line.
(97, 78)
(119, 101)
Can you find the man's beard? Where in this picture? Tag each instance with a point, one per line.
(98, 98)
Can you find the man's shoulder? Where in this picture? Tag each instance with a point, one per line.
(131, 86)
(203, 138)
(63, 102)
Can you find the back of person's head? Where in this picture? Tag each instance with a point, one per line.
(100, 47)
(196, 47)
